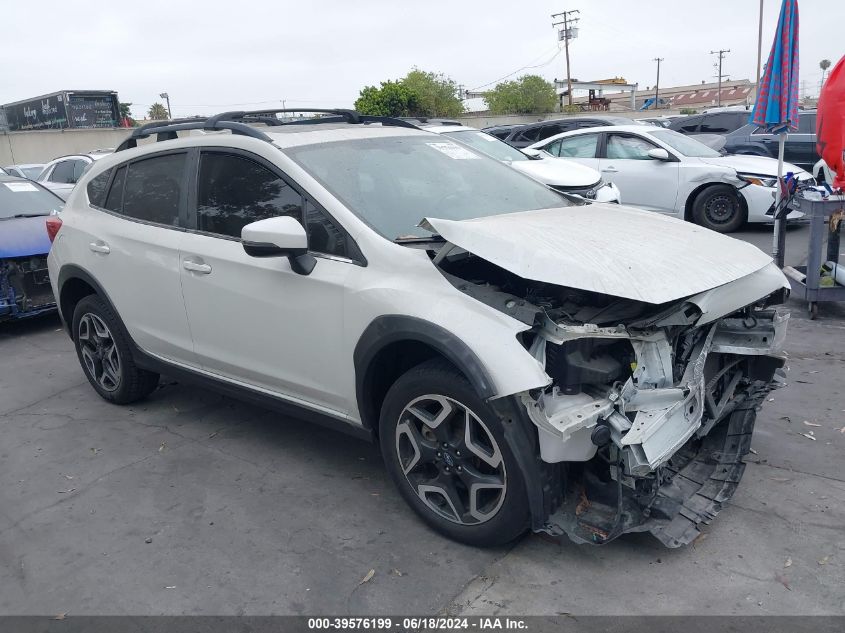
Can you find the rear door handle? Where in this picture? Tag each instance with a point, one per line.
(100, 247)
(196, 267)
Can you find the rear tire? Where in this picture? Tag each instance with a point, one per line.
(102, 346)
(719, 208)
(446, 452)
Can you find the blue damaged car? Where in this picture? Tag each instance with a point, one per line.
(25, 208)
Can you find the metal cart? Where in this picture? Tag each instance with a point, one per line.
(806, 279)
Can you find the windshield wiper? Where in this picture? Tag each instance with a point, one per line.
(25, 215)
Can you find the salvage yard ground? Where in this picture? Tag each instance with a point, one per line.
(192, 503)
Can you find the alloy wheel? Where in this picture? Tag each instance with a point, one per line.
(451, 459)
(99, 352)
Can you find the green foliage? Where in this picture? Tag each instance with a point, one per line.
(126, 112)
(689, 111)
(437, 95)
(530, 94)
(824, 64)
(392, 99)
(157, 112)
(419, 93)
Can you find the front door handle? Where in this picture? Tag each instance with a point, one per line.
(610, 170)
(100, 247)
(196, 267)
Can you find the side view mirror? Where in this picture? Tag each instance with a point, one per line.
(534, 153)
(279, 237)
(658, 153)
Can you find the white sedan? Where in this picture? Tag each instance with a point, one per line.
(662, 170)
(568, 178)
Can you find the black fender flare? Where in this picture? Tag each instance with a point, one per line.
(73, 271)
(393, 328)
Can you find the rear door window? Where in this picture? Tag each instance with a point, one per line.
(687, 126)
(718, 124)
(581, 146)
(153, 189)
(63, 172)
(531, 135)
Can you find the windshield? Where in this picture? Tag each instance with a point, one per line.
(684, 145)
(488, 144)
(32, 172)
(24, 198)
(393, 182)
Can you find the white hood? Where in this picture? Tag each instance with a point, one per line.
(608, 249)
(755, 165)
(554, 171)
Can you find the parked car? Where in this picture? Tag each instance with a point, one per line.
(722, 122)
(662, 170)
(26, 210)
(61, 174)
(525, 360)
(571, 178)
(525, 135)
(799, 149)
(30, 171)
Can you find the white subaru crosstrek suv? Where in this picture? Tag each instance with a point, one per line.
(525, 359)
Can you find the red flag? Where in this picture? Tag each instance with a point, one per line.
(830, 123)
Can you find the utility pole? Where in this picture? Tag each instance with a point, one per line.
(721, 54)
(567, 33)
(657, 83)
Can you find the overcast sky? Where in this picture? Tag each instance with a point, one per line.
(213, 55)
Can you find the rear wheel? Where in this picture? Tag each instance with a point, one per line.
(718, 208)
(102, 347)
(446, 453)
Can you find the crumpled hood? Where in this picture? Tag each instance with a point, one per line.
(556, 171)
(606, 248)
(755, 165)
(20, 237)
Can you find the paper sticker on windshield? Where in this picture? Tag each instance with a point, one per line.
(19, 187)
(453, 151)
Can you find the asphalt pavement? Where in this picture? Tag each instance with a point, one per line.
(192, 503)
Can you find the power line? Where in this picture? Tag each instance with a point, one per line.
(495, 81)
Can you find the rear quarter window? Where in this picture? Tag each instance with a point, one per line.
(98, 187)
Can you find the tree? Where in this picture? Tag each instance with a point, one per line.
(437, 95)
(392, 99)
(824, 65)
(157, 112)
(529, 94)
(126, 113)
(419, 93)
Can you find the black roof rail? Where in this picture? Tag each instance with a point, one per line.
(236, 121)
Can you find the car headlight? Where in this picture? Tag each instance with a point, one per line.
(755, 179)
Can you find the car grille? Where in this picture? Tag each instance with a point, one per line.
(585, 192)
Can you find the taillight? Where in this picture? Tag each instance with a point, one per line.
(54, 223)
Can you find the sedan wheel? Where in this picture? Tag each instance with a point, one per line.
(718, 208)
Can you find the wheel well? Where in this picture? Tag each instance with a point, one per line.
(384, 369)
(691, 199)
(71, 293)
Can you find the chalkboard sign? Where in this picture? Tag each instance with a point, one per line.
(89, 111)
(38, 114)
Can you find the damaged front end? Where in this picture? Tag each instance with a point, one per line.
(649, 408)
(25, 287)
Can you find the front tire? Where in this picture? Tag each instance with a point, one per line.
(719, 208)
(102, 347)
(445, 451)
